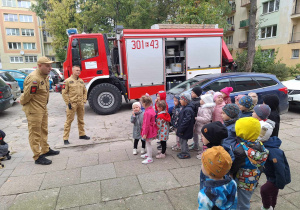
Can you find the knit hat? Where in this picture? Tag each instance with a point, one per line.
(262, 111)
(254, 97)
(232, 110)
(177, 97)
(237, 98)
(137, 104)
(214, 132)
(197, 90)
(247, 128)
(246, 101)
(210, 92)
(207, 98)
(216, 161)
(272, 101)
(216, 95)
(186, 97)
(227, 90)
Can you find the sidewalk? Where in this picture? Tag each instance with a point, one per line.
(108, 176)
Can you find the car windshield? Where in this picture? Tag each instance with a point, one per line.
(7, 77)
(187, 85)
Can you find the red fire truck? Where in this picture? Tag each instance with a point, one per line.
(143, 61)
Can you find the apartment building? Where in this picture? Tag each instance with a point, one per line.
(22, 38)
(278, 28)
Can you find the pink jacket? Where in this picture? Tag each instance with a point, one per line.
(149, 127)
(227, 100)
(204, 117)
(217, 113)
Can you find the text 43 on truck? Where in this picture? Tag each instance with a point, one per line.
(143, 61)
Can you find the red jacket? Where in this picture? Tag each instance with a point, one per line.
(163, 97)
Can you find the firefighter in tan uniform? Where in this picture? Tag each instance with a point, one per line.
(34, 101)
(74, 94)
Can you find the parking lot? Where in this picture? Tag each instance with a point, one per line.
(102, 173)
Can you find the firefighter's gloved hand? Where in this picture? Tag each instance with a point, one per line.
(70, 106)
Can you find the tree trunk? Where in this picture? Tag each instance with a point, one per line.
(251, 36)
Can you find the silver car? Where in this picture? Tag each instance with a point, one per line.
(12, 83)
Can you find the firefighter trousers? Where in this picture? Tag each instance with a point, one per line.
(79, 109)
(38, 133)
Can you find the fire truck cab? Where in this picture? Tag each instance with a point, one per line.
(143, 61)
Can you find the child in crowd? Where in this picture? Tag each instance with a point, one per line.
(218, 98)
(254, 97)
(262, 112)
(149, 128)
(250, 155)
(210, 92)
(195, 94)
(204, 117)
(212, 135)
(4, 152)
(237, 99)
(245, 103)
(174, 120)
(230, 114)
(273, 102)
(185, 125)
(226, 94)
(137, 120)
(219, 192)
(163, 124)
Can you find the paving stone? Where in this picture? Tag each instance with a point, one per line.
(2, 180)
(96, 148)
(130, 167)
(164, 164)
(6, 173)
(120, 145)
(156, 181)
(87, 160)
(292, 131)
(25, 168)
(61, 178)
(289, 145)
(22, 184)
(184, 198)
(157, 201)
(187, 176)
(126, 186)
(97, 172)
(70, 152)
(6, 201)
(112, 156)
(33, 200)
(109, 205)
(288, 202)
(79, 195)
(193, 161)
(293, 154)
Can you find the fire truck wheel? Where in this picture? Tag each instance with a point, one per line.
(105, 99)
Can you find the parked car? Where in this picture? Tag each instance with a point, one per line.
(12, 83)
(293, 90)
(59, 73)
(242, 83)
(6, 98)
(55, 77)
(29, 70)
(18, 75)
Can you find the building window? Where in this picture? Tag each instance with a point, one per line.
(271, 6)
(24, 4)
(295, 53)
(27, 32)
(230, 20)
(12, 32)
(14, 45)
(29, 46)
(26, 18)
(48, 49)
(16, 59)
(51, 58)
(269, 52)
(229, 40)
(30, 59)
(268, 32)
(11, 17)
(8, 3)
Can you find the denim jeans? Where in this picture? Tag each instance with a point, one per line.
(243, 198)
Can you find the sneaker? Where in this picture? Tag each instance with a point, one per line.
(159, 147)
(160, 156)
(184, 156)
(51, 152)
(176, 148)
(271, 208)
(43, 161)
(134, 152)
(191, 146)
(144, 156)
(85, 137)
(199, 156)
(66, 142)
(143, 151)
(148, 160)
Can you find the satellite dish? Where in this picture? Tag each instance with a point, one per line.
(22, 52)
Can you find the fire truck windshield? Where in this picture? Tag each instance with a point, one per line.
(188, 85)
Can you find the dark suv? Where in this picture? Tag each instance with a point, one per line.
(6, 98)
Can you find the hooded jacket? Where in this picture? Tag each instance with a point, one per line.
(204, 117)
(175, 115)
(162, 96)
(196, 104)
(217, 112)
(273, 102)
(137, 121)
(230, 141)
(149, 127)
(163, 124)
(266, 130)
(276, 168)
(218, 194)
(249, 157)
(186, 122)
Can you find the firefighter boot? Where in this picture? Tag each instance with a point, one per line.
(51, 152)
(43, 161)
(66, 142)
(85, 137)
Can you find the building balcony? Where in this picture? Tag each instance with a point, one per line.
(230, 29)
(229, 46)
(296, 13)
(244, 23)
(243, 44)
(295, 37)
(245, 3)
(233, 7)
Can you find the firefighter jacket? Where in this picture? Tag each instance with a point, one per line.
(36, 93)
(74, 91)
